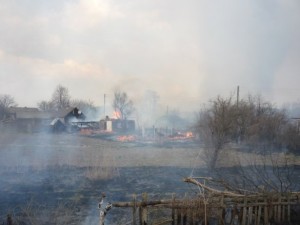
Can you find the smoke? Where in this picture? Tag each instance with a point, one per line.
(187, 55)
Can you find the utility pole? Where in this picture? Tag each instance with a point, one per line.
(237, 105)
(237, 96)
(104, 105)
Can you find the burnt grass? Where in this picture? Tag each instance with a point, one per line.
(68, 185)
(68, 189)
(44, 180)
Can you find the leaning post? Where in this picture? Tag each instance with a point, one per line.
(103, 210)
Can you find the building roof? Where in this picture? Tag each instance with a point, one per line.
(34, 113)
(23, 109)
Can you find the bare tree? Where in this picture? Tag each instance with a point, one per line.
(264, 172)
(6, 101)
(253, 123)
(122, 104)
(45, 105)
(216, 127)
(266, 124)
(61, 97)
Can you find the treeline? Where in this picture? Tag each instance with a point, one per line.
(250, 122)
(60, 99)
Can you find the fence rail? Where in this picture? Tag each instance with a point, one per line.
(218, 209)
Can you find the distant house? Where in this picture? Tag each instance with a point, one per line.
(32, 120)
(29, 119)
(117, 125)
(64, 119)
(69, 115)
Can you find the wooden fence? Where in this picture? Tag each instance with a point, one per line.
(215, 209)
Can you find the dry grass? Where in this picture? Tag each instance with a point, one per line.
(41, 150)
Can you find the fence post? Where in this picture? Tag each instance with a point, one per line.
(279, 209)
(134, 210)
(288, 209)
(220, 211)
(173, 209)
(179, 216)
(184, 217)
(143, 210)
(250, 213)
(283, 208)
(258, 215)
(244, 216)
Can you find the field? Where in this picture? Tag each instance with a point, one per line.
(41, 173)
(59, 178)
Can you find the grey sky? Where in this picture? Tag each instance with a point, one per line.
(186, 51)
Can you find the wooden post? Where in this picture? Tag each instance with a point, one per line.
(255, 210)
(143, 210)
(288, 209)
(266, 213)
(279, 210)
(173, 209)
(250, 213)
(221, 218)
(134, 210)
(179, 217)
(205, 212)
(244, 212)
(258, 215)
(103, 213)
(9, 220)
(191, 216)
(184, 217)
(275, 212)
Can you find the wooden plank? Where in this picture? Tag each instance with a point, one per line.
(221, 210)
(250, 214)
(266, 214)
(134, 210)
(288, 210)
(258, 215)
(179, 217)
(173, 209)
(190, 211)
(244, 212)
(279, 210)
(184, 217)
(144, 209)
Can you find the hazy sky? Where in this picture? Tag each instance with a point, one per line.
(186, 51)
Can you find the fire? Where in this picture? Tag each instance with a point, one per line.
(126, 138)
(189, 135)
(116, 115)
(183, 136)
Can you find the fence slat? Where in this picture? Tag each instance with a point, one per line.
(248, 210)
(173, 209)
(258, 215)
(134, 210)
(244, 212)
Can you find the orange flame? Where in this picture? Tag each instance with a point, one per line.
(126, 138)
(116, 115)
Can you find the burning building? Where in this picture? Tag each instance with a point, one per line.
(117, 125)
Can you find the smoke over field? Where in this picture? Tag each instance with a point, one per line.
(41, 173)
(59, 178)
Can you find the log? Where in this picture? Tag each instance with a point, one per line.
(227, 193)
